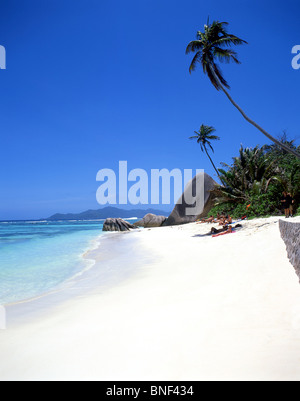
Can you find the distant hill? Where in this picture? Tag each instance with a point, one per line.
(106, 213)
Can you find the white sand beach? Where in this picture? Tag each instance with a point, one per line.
(196, 308)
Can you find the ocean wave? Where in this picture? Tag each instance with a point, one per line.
(36, 222)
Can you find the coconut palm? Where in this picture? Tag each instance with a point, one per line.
(213, 44)
(203, 137)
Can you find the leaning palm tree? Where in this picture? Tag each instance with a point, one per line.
(203, 137)
(213, 44)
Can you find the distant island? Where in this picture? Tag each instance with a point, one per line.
(105, 213)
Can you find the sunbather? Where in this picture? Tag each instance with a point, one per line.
(209, 220)
(226, 229)
(220, 230)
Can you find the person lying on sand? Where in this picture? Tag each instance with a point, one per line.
(226, 229)
(220, 217)
(220, 230)
(209, 220)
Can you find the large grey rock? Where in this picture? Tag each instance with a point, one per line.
(117, 225)
(151, 220)
(183, 211)
(290, 233)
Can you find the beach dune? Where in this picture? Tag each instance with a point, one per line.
(195, 308)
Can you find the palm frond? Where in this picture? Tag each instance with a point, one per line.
(194, 45)
(214, 67)
(212, 78)
(225, 55)
(213, 137)
(197, 58)
(209, 144)
(229, 40)
(207, 130)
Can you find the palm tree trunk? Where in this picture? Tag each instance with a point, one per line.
(282, 145)
(213, 165)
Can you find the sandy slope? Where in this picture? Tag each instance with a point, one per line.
(198, 308)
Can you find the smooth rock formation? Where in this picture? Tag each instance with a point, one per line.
(290, 233)
(183, 212)
(151, 220)
(117, 225)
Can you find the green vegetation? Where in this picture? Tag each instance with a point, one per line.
(257, 177)
(254, 183)
(214, 44)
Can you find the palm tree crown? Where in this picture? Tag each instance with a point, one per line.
(212, 44)
(203, 137)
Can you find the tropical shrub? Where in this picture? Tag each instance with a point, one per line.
(257, 177)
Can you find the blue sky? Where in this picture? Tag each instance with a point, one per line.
(89, 83)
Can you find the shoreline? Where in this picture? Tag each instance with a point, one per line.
(96, 276)
(39, 258)
(61, 287)
(190, 307)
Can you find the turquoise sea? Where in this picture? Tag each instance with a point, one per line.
(38, 256)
